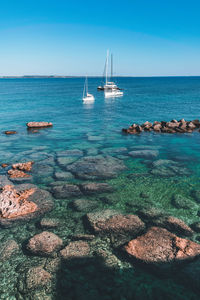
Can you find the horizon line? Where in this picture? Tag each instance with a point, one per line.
(90, 76)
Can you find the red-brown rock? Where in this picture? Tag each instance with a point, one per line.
(7, 249)
(18, 174)
(14, 203)
(159, 246)
(37, 277)
(27, 166)
(9, 132)
(77, 249)
(45, 244)
(39, 124)
(4, 165)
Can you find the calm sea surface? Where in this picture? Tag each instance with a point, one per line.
(96, 130)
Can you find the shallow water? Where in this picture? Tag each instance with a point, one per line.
(96, 130)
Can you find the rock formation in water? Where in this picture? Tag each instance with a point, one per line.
(173, 126)
(39, 124)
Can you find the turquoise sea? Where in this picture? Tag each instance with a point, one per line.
(96, 130)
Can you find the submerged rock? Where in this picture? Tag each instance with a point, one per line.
(38, 124)
(36, 278)
(49, 223)
(175, 225)
(7, 249)
(168, 168)
(147, 154)
(74, 250)
(64, 161)
(84, 205)
(70, 153)
(119, 227)
(96, 167)
(23, 202)
(4, 181)
(180, 201)
(63, 175)
(66, 191)
(159, 246)
(45, 244)
(93, 188)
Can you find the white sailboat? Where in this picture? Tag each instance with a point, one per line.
(110, 88)
(86, 96)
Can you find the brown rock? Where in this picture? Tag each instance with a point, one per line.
(78, 249)
(93, 188)
(175, 225)
(45, 244)
(161, 246)
(7, 249)
(9, 132)
(27, 166)
(18, 174)
(39, 124)
(157, 127)
(4, 165)
(14, 203)
(37, 277)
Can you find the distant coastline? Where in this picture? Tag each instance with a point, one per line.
(81, 76)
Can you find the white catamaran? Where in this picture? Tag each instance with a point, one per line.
(110, 88)
(86, 96)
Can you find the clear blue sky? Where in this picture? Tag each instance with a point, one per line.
(147, 37)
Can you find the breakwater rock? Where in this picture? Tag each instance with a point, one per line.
(173, 126)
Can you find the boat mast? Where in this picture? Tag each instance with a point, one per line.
(86, 85)
(107, 67)
(111, 66)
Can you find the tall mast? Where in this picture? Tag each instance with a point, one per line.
(111, 66)
(107, 67)
(86, 85)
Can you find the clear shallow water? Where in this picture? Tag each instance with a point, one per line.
(96, 129)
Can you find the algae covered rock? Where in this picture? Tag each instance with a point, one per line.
(44, 244)
(66, 191)
(180, 201)
(96, 167)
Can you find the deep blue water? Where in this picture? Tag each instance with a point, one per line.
(97, 130)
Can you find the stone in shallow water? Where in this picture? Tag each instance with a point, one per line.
(41, 199)
(174, 224)
(36, 277)
(49, 223)
(168, 168)
(93, 188)
(74, 250)
(115, 150)
(63, 175)
(64, 161)
(42, 169)
(146, 154)
(196, 195)
(7, 249)
(66, 191)
(96, 167)
(180, 201)
(159, 246)
(70, 153)
(45, 244)
(84, 205)
(196, 226)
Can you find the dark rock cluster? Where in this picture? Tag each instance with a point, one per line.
(173, 126)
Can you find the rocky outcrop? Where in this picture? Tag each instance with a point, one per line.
(173, 126)
(96, 167)
(39, 124)
(159, 246)
(44, 244)
(74, 250)
(18, 174)
(23, 202)
(18, 171)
